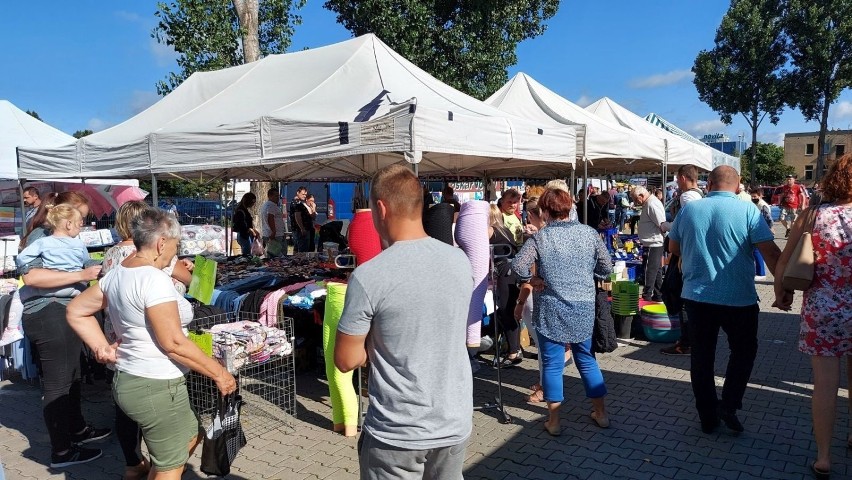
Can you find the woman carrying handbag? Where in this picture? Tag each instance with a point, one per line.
(826, 326)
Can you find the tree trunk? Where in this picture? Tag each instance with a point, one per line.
(823, 128)
(247, 11)
(753, 160)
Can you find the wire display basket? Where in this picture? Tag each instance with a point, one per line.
(267, 383)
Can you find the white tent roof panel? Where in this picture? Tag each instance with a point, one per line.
(323, 105)
(607, 145)
(680, 151)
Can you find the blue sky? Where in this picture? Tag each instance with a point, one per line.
(92, 63)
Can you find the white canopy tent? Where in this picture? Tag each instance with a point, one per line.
(719, 158)
(336, 112)
(609, 147)
(20, 129)
(680, 151)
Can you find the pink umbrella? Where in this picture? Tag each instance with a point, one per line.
(105, 199)
(123, 194)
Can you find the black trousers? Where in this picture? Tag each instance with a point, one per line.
(740, 326)
(653, 266)
(59, 360)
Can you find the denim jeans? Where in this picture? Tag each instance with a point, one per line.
(59, 357)
(245, 243)
(552, 356)
(740, 326)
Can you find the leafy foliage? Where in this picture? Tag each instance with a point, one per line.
(82, 133)
(820, 44)
(34, 114)
(742, 73)
(468, 45)
(184, 188)
(769, 165)
(206, 34)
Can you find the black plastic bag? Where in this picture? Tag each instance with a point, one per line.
(224, 437)
(673, 286)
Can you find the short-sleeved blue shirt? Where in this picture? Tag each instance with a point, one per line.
(717, 237)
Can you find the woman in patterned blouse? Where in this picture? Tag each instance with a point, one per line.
(569, 257)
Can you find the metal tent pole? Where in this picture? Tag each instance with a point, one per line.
(586, 196)
(155, 195)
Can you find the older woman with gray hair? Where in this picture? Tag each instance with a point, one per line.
(153, 353)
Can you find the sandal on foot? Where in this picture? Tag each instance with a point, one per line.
(602, 422)
(820, 474)
(553, 431)
(537, 396)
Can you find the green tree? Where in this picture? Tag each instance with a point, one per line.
(82, 133)
(184, 188)
(468, 45)
(742, 74)
(34, 114)
(820, 38)
(769, 167)
(207, 34)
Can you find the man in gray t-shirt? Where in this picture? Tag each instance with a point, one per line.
(407, 310)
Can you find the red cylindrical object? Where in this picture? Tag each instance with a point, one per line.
(364, 240)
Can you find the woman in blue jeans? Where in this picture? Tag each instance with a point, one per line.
(243, 223)
(569, 257)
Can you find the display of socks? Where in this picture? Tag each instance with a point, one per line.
(472, 236)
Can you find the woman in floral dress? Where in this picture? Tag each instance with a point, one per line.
(826, 327)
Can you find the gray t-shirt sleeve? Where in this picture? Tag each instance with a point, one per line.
(358, 312)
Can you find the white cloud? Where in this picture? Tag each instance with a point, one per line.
(663, 79)
(584, 101)
(96, 124)
(842, 110)
(164, 55)
(768, 137)
(703, 127)
(141, 99)
(128, 16)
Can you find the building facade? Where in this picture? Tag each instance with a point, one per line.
(800, 151)
(724, 144)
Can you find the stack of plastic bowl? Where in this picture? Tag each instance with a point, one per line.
(625, 298)
(658, 325)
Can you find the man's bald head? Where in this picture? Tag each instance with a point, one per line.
(724, 179)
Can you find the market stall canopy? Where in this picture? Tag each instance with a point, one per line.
(340, 111)
(680, 151)
(719, 158)
(608, 146)
(20, 129)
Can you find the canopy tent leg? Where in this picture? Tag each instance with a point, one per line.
(585, 186)
(154, 194)
(573, 184)
(23, 230)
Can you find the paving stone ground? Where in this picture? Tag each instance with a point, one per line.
(654, 433)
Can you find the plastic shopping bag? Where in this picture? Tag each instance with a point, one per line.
(257, 247)
(224, 437)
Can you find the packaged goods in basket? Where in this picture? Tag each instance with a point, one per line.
(244, 343)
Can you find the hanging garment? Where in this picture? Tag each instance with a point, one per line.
(472, 236)
(364, 240)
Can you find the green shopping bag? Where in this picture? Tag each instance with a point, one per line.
(203, 280)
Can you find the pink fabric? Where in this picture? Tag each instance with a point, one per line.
(472, 236)
(269, 308)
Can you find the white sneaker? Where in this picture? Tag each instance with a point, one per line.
(10, 335)
(759, 278)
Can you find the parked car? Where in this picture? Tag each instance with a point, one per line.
(199, 212)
